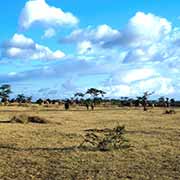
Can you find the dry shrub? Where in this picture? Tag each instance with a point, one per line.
(107, 139)
(24, 119)
(171, 111)
(37, 119)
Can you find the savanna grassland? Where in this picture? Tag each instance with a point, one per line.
(50, 151)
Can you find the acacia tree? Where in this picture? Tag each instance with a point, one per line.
(78, 97)
(167, 103)
(39, 101)
(29, 99)
(94, 93)
(144, 99)
(172, 102)
(21, 98)
(161, 101)
(5, 91)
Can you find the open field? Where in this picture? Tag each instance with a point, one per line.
(48, 151)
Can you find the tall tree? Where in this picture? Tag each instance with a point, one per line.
(29, 99)
(78, 98)
(144, 100)
(5, 91)
(21, 98)
(172, 102)
(94, 93)
(161, 101)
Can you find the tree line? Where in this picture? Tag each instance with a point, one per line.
(90, 99)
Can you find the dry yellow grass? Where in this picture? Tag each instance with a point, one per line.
(48, 151)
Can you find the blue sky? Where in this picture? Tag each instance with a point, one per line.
(54, 48)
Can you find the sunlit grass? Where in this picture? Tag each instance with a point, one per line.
(49, 151)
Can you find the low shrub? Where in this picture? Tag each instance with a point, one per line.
(24, 119)
(171, 111)
(107, 139)
(37, 119)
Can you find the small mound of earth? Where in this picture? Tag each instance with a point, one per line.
(24, 119)
(171, 111)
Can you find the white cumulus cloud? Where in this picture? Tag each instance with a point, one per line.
(144, 29)
(38, 11)
(21, 47)
(98, 35)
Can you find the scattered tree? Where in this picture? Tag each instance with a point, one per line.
(66, 105)
(172, 102)
(144, 100)
(5, 91)
(95, 93)
(161, 101)
(39, 101)
(21, 98)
